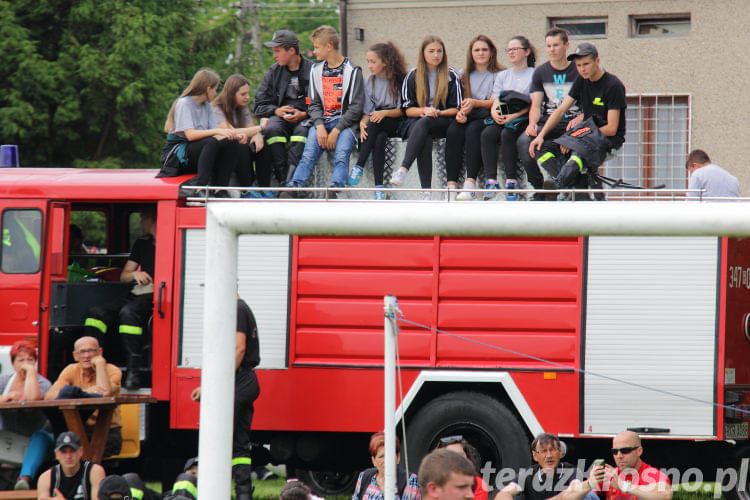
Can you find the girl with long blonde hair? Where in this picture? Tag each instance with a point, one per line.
(431, 96)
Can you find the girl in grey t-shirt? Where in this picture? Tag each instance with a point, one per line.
(231, 112)
(212, 152)
(477, 81)
(382, 111)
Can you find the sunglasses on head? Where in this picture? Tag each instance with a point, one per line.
(451, 440)
(625, 450)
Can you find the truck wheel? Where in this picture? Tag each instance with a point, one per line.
(482, 420)
(328, 483)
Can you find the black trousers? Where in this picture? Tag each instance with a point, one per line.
(255, 167)
(279, 134)
(246, 391)
(213, 160)
(377, 135)
(419, 145)
(130, 313)
(491, 135)
(460, 137)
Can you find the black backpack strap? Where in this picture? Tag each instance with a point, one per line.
(401, 481)
(54, 480)
(86, 480)
(367, 476)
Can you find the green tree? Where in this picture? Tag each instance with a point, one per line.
(88, 82)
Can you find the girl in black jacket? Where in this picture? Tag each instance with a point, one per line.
(431, 97)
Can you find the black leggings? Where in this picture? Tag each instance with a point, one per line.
(254, 167)
(213, 160)
(419, 145)
(491, 135)
(457, 135)
(377, 135)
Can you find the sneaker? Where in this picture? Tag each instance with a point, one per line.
(252, 195)
(263, 474)
(23, 483)
(511, 195)
(466, 196)
(426, 196)
(491, 189)
(355, 175)
(267, 194)
(379, 193)
(399, 177)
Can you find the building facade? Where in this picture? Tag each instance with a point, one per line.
(681, 62)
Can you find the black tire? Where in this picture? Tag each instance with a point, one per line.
(483, 421)
(328, 483)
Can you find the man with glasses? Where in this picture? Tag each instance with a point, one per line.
(547, 478)
(632, 479)
(89, 376)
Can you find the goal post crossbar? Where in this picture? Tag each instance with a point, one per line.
(225, 221)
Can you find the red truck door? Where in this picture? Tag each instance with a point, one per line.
(21, 268)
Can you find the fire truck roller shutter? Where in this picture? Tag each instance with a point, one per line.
(486, 423)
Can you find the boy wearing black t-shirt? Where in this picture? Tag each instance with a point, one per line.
(601, 96)
(550, 84)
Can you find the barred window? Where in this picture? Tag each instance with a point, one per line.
(657, 142)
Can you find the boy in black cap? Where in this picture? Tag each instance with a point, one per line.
(601, 97)
(72, 478)
(282, 97)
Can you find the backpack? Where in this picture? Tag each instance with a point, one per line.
(56, 477)
(368, 474)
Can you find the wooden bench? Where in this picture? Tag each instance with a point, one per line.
(18, 494)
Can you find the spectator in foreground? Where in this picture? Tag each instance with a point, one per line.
(632, 479)
(446, 475)
(371, 482)
(463, 448)
(535, 484)
(71, 478)
(717, 182)
(89, 376)
(25, 384)
(337, 99)
(295, 490)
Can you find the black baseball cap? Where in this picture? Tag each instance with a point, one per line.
(112, 485)
(190, 462)
(283, 37)
(68, 438)
(583, 50)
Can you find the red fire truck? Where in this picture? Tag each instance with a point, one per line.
(629, 324)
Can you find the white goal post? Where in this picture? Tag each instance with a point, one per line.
(226, 220)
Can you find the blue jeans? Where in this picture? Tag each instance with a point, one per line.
(40, 445)
(344, 145)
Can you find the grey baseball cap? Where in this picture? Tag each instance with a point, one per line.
(583, 50)
(283, 37)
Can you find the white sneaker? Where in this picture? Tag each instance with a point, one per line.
(466, 195)
(426, 196)
(399, 176)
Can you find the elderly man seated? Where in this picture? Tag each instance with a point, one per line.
(91, 376)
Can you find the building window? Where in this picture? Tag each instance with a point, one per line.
(659, 26)
(581, 27)
(20, 251)
(657, 142)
